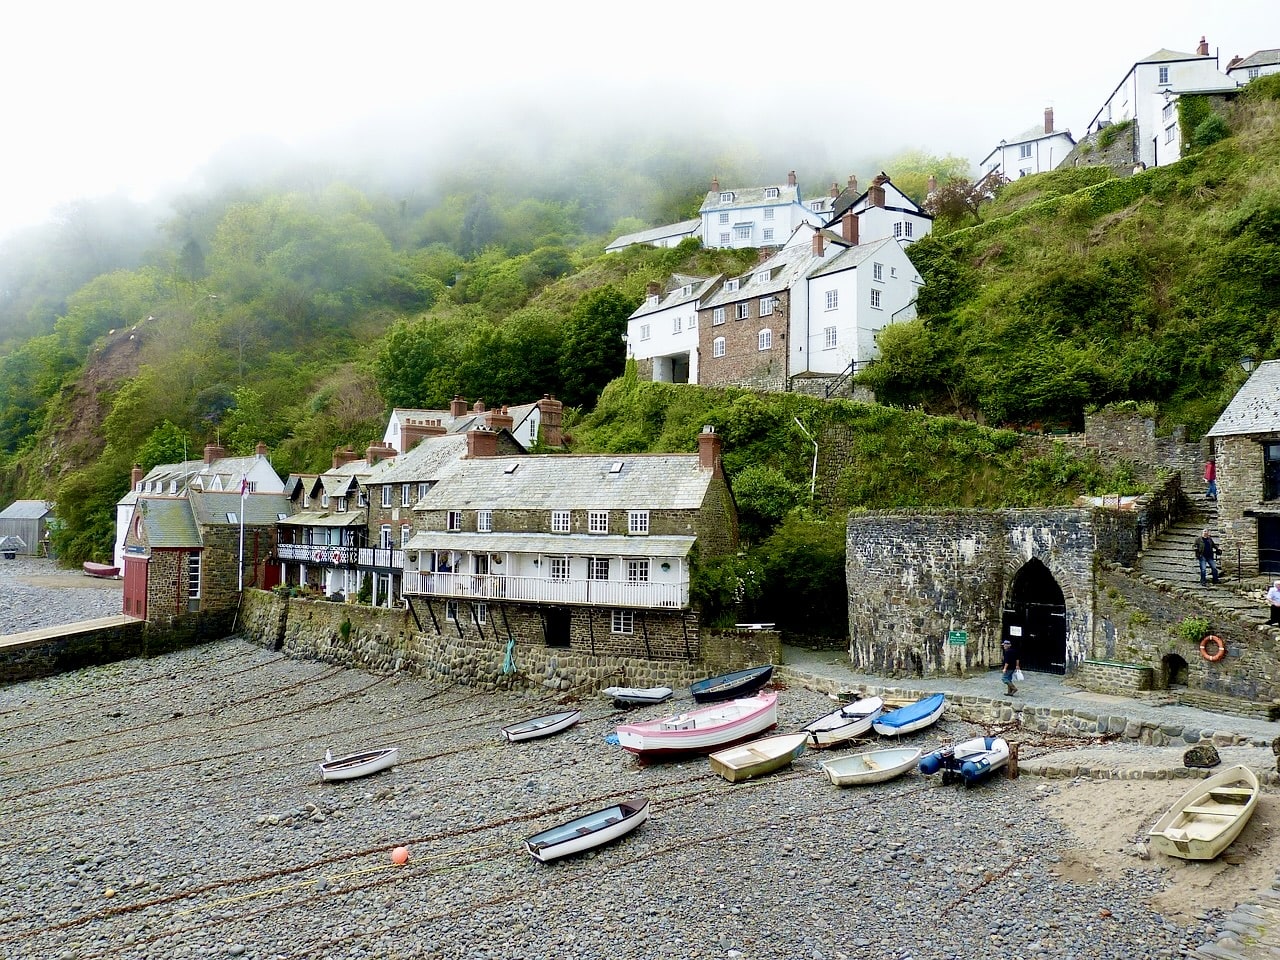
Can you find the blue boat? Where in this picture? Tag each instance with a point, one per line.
(730, 686)
(971, 760)
(912, 717)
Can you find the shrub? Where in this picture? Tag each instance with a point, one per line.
(1193, 629)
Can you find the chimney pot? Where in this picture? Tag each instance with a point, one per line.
(835, 190)
(499, 419)
(715, 184)
(213, 451)
(261, 449)
(818, 243)
(933, 184)
(1048, 119)
(853, 183)
(653, 288)
(552, 411)
(1203, 49)
(482, 442)
(135, 476)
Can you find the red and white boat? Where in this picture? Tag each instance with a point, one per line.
(701, 731)
(103, 570)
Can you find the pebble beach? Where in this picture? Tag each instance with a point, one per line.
(172, 808)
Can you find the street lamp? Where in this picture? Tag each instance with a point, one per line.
(1247, 363)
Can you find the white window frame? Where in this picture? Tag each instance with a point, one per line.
(406, 534)
(830, 338)
(717, 347)
(743, 310)
(451, 611)
(742, 231)
(730, 286)
(386, 495)
(833, 300)
(597, 521)
(623, 622)
(768, 213)
(875, 299)
(406, 495)
(557, 568)
(908, 229)
(897, 229)
(484, 521)
(453, 520)
(677, 325)
(638, 570)
(724, 218)
(384, 537)
(717, 316)
(598, 568)
(644, 331)
(1168, 132)
(768, 234)
(726, 196)
(1162, 74)
(481, 613)
(340, 505)
(1024, 151)
(193, 575)
(771, 193)
(637, 522)
(764, 339)
(424, 487)
(724, 238)
(324, 502)
(766, 306)
(560, 521)
(693, 321)
(877, 271)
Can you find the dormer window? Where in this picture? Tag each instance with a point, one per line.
(731, 285)
(819, 205)
(764, 276)
(726, 197)
(686, 290)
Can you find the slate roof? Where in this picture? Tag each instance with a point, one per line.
(1256, 406)
(26, 510)
(851, 257)
(168, 522)
(545, 482)
(325, 518)
(553, 544)
(260, 509)
(1169, 56)
(784, 268)
(1260, 58)
(423, 462)
(469, 420)
(685, 228)
(226, 470)
(750, 197)
(675, 295)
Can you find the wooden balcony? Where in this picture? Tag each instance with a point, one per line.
(600, 593)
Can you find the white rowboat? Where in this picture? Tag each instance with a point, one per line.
(633, 696)
(361, 764)
(1204, 820)
(758, 757)
(541, 726)
(588, 831)
(844, 723)
(873, 766)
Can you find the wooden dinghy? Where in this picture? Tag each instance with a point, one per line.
(361, 764)
(740, 683)
(844, 723)
(912, 717)
(701, 731)
(102, 570)
(873, 766)
(970, 760)
(758, 757)
(543, 726)
(637, 696)
(589, 831)
(1204, 820)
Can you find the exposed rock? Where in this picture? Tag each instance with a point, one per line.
(1201, 755)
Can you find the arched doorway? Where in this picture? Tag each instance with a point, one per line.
(1035, 619)
(1173, 672)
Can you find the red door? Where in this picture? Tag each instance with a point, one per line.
(135, 587)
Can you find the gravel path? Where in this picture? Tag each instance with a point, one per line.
(39, 593)
(171, 808)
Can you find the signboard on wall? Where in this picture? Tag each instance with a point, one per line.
(957, 637)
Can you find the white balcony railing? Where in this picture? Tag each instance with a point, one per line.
(605, 593)
(332, 555)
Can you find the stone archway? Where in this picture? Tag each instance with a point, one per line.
(1035, 618)
(1173, 672)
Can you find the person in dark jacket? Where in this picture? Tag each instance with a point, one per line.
(1206, 553)
(1011, 665)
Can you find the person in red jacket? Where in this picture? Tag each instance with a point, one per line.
(1211, 478)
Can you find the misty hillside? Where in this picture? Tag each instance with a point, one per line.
(297, 309)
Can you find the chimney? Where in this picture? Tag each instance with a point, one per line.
(135, 477)
(764, 254)
(709, 449)
(715, 184)
(791, 179)
(482, 442)
(415, 430)
(876, 193)
(260, 449)
(835, 190)
(343, 455)
(849, 228)
(653, 288)
(499, 419)
(213, 451)
(1203, 49)
(478, 406)
(1048, 119)
(933, 185)
(378, 451)
(552, 416)
(457, 407)
(853, 184)
(1234, 60)
(818, 243)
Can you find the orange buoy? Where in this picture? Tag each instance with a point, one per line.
(400, 856)
(1212, 648)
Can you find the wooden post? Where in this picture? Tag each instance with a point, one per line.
(1011, 768)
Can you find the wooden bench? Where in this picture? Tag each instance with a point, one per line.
(1211, 811)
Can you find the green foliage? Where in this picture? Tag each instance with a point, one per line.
(166, 444)
(804, 588)
(593, 351)
(1110, 134)
(1193, 629)
(725, 588)
(1209, 131)
(764, 496)
(86, 502)
(1263, 88)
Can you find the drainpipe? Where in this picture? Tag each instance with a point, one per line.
(813, 476)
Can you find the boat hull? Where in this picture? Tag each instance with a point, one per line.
(638, 696)
(970, 760)
(755, 758)
(731, 686)
(355, 765)
(101, 570)
(844, 724)
(915, 716)
(1204, 821)
(544, 726)
(873, 766)
(700, 731)
(589, 831)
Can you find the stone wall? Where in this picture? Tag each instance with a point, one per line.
(1120, 435)
(166, 585)
(743, 363)
(1240, 479)
(1117, 679)
(914, 577)
(1137, 624)
(464, 652)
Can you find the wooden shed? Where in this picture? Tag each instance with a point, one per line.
(27, 520)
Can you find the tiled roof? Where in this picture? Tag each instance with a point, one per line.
(1260, 58)
(424, 462)
(26, 510)
(751, 197)
(1256, 406)
(784, 268)
(469, 420)
(168, 522)
(640, 482)
(259, 509)
(684, 228)
(553, 544)
(850, 257)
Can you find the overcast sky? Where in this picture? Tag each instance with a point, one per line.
(134, 97)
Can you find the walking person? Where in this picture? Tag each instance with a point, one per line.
(1211, 478)
(1011, 665)
(1207, 550)
(1273, 598)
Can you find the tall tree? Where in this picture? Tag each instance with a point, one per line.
(593, 348)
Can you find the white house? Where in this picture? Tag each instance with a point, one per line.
(529, 422)
(882, 211)
(668, 235)
(1148, 96)
(1036, 150)
(753, 216)
(664, 329)
(216, 473)
(1258, 64)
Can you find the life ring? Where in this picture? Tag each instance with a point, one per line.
(1219, 648)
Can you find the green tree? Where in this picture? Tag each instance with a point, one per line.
(593, 351)
(166, 444)
(802, 566)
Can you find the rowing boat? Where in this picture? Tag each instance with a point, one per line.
(914, 716)
(1204, 820)
(873, 766)
(543, 726)
(758, 757)
(588, 831)
(844, 723)
(361, 764)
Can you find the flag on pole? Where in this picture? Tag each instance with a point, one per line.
(244, 486)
